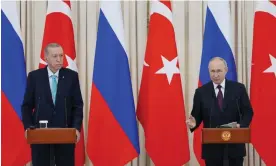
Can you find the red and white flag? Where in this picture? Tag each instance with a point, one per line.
(161, 103)
(59, 29)
(263, 81)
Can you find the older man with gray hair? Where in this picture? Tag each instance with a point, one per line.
(54, 94)
(220, 102)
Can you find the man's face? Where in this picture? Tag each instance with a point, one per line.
(217, 71)
(54, 58)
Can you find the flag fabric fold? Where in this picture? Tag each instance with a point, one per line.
(217, 41)
(263, 81)
(112, 129)
(161, 108)
(15, 150)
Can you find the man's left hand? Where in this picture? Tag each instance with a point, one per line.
(78, 135)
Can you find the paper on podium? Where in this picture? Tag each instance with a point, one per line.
(229, 125)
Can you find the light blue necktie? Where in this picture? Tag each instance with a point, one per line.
(54, 87)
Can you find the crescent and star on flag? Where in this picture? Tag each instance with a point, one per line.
(272, 68)
(169, 68)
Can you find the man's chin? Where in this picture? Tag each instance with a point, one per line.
(217, 82)
(57, 68)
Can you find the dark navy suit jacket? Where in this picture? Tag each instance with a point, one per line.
(236, 108)
(38, 103)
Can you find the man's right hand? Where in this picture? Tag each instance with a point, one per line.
(191, 122)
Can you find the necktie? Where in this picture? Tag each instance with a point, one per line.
(54, 87)
(220, 97)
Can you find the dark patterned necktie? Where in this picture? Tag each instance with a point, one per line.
(220, 97)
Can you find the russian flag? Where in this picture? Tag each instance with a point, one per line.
(217, 41)
(112, 129)
(15, 150)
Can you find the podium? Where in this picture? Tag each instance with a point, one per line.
(51, 136)
(225, 135)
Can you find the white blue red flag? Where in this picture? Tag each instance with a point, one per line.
(15, 150)
(112, 130)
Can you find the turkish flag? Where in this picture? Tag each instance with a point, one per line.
(59, 29)
(161, 104)
(263, 82)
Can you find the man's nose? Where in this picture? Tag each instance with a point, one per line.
(58, 59)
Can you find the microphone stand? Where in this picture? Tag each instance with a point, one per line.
(52, 155)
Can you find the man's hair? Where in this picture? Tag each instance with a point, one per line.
(219, 58)
(50, 45)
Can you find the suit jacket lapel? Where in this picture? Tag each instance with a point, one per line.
(47, 87)
(212, 90)
(60, 86)
(213, 99)
(226, 95)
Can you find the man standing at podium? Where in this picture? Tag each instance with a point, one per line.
(54, 94)
(220, 102)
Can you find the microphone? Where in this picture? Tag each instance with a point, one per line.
(210, 120)
(65, 109)
(36, 115)
(37, 111)
(239, 111)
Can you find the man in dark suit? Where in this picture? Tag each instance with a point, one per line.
(219, 102)
(54, 94)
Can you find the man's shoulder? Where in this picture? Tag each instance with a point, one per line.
(205, 86)
(235, 84)
(37, 72)
(230, 83)
(69, 71)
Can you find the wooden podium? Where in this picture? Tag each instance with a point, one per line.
(225, 135)
(51, 136)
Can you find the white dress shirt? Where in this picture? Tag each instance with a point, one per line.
(222, 88)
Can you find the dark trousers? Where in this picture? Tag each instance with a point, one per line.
(61, 154)
(219, 162)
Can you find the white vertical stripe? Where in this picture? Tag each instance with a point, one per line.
(113, 13)
(221, 13)
(9, 8)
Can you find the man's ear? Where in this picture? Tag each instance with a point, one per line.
(45, 58)
(226, 69)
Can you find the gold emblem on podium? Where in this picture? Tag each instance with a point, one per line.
(226, 135)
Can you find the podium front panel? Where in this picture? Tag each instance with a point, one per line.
(225, 135)
(51, 136)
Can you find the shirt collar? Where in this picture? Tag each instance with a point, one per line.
(50, 73)
(222, 84)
